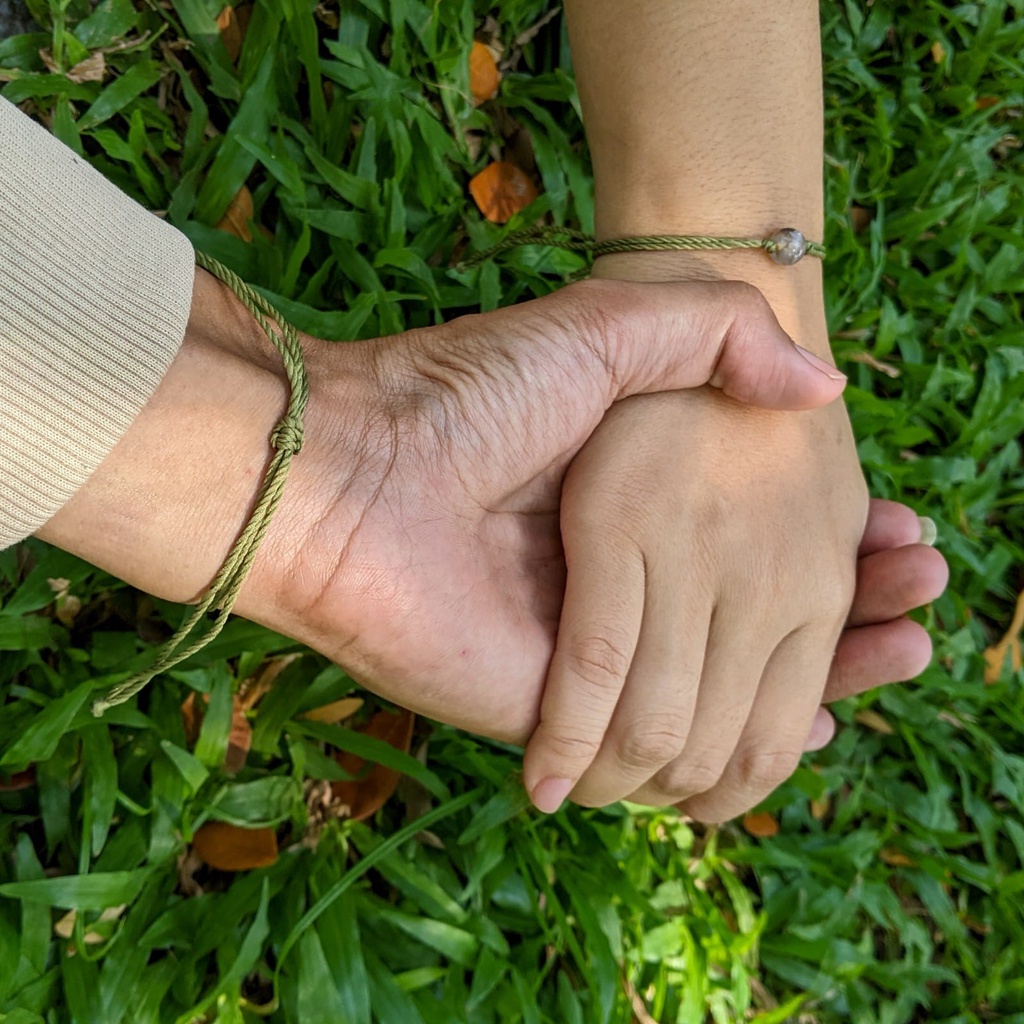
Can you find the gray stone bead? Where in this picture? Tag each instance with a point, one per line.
(790, 246)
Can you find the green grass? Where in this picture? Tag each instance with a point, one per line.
(897, 897)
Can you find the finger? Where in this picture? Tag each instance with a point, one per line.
(733, 664)
(823, 729)
(893, 525)
(652, 720)
(875, 655)
(892, 583)
(773, 739)
(668, 337)
(597, 634)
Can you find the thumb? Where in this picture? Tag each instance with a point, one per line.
(671, 336)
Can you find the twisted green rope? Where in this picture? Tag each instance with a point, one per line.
(286, 442)
(577, 241)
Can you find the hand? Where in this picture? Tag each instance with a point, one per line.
(418, 540)
(711, 564)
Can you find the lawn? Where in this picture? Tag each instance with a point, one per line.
(334, 148)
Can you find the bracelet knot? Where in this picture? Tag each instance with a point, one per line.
(288, 436)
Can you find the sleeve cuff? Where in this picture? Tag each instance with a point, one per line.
(95, 295)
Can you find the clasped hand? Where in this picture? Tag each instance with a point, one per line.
(703, 602)
(458, 481)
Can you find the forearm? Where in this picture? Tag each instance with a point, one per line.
(706, 118)
(165, 505)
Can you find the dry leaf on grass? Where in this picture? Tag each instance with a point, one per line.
(230, 848)
(995, 655)
(895, 859)
(232, 24)
(873, 720)
(366, 794)
(763, 825)
(65, 927)
(336, 711)
(239, 739)
(501, 190)
(92, 69)
(484, 76)
(17, 781)
(238, 215)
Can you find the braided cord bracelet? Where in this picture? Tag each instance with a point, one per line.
(285, 442)
(786, 246)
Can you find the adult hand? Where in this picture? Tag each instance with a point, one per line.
(418, 541)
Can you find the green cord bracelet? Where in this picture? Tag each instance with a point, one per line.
(786, 246)
(285, 441)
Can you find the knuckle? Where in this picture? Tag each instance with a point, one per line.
(599, 662)
(572, 746)
(682, 781)
(763, 770)
(653, 743)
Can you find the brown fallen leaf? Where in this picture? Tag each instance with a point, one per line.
(995, 655)
(252, 690)
(873, 720)
(895, 859)
(501, 190)
(821, 807)
(92, 69)
(230, 848)
(366, 794)
(230, 32)
(238, 215)
(484, 76)
(938, 52)
(18, 781)
(239, 738)
(860, 218)
(336, 711)
(763, 825)
(985, 102)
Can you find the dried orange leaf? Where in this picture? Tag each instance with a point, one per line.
(230, 32)
(238, 215)
(938, 52)
(501, 190)
(995, 656)
(895, 859)
(985, 102)
(819, 808)
(873, 720)
(365, 794)
(484, 76)
(230, 848)
(239, 739)
(763, 825)
(336, 711)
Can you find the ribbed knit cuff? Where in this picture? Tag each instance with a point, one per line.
(94, 299)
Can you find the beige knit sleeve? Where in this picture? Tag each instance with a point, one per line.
(94, 298)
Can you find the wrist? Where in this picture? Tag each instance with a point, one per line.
(166, 504)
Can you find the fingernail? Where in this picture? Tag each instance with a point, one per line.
(822, 730)
(819, 364)
(549, 794)
(929, 532)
